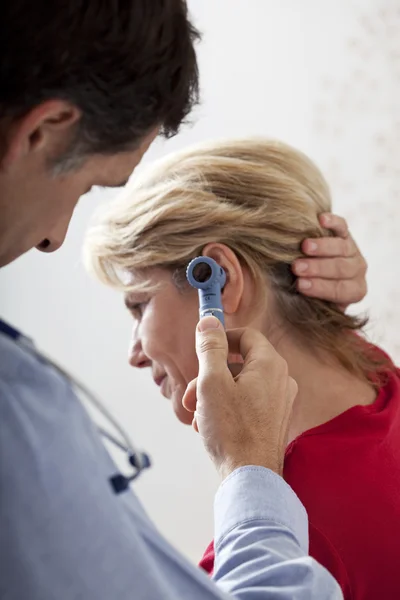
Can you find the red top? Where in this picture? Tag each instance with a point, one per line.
(346, 472)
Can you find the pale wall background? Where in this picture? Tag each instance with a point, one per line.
(324, 76)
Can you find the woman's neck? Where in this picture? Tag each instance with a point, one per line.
(326, 389)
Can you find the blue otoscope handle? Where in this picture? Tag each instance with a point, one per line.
(206, 275)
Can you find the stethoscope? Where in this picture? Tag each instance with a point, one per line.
(204, 274)
(138, 460)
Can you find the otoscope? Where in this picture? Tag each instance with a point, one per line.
(206, 275)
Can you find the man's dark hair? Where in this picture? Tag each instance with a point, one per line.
(129, 65)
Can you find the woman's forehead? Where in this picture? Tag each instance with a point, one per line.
(140, 285)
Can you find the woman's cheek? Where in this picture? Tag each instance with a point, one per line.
(152, 339)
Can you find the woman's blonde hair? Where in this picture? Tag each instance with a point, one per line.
(261, 198)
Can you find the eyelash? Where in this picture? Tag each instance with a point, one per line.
(137, 309)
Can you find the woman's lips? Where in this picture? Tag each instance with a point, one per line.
(162, 382)
(164, 387)
(159, 379)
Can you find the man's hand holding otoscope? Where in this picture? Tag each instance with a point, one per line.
(243, 420)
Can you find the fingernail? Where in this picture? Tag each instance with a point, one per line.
(301, 267)
(304, 284)
(208, 323)
(312, 246)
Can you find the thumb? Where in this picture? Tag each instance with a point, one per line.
(211, 346)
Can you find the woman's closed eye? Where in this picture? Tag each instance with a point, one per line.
(136, 308)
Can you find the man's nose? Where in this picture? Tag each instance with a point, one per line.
(56, 237)
(137, 357)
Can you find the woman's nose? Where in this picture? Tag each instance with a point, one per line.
(137, 357)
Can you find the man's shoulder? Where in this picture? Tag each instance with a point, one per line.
(15, 360)
(29, 387)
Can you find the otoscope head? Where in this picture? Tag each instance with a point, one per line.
(204, 273)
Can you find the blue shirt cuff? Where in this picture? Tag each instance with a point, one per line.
(252, 493)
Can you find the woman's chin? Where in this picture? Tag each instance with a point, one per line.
(183, 415)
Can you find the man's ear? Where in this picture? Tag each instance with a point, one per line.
(46, 128)
(227, 259)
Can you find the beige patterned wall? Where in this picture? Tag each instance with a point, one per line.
(356, 130)
(322, 75)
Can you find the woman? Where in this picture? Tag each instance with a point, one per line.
(249, 204)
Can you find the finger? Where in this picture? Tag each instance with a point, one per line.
(344, 292)
(194, 424)
(234, 358)
(335, 223)
(329, 268)
(330, 247)
(252, 345)
(211, 346)
(189, 399)
(214, 345)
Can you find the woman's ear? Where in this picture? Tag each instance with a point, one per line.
(233, 291)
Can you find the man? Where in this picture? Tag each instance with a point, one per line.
(84, 89)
